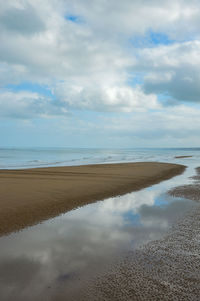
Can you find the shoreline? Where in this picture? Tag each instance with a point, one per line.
(29, 196)
(163, 269)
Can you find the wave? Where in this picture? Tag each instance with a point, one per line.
(23, 158)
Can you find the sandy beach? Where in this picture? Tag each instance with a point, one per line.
(32, 195)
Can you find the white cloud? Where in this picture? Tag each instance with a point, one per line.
(105, 97)
(27, 105)
(176, 17)
(49, 49)
(90, 65)
(176, 125)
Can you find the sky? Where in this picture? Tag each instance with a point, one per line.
(99, 73)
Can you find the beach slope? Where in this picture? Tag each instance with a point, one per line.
(32, 195)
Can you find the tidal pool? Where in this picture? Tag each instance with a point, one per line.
(56, 257)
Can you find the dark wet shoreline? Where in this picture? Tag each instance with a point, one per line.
(191, 191)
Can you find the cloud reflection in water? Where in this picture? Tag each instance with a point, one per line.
(43, 260)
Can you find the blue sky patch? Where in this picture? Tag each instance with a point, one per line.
(135, 79)
(157, 38)
(74, 18)
(131, 218)
(151, 39)
(31, 87)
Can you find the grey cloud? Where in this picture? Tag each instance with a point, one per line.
(10, 268)
(24, 21)
(172, 70)
(163, 215)
(184, 85)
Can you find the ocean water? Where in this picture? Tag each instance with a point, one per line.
(15, 158)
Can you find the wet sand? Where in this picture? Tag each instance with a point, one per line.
(166, 269)
(33, 195)
(182, 157)
(191, 191)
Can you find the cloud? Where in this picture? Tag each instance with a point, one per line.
(23, 20)
(27, 105)
(105, 98)
(96, 64)
(178, 18)
(172, 70)
(176, 125)
(50, 49)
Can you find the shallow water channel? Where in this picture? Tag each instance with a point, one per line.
(57, 256)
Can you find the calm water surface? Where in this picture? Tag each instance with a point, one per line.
(55, 257)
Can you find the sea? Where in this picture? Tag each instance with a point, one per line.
(19, 158)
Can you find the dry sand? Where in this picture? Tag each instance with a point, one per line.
(32, 195)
